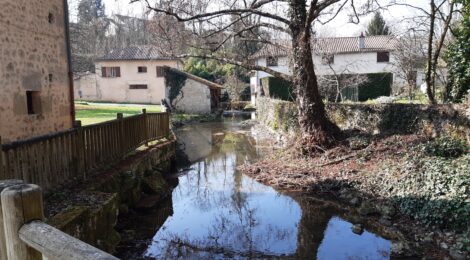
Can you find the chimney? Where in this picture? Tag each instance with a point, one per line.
(362, 41)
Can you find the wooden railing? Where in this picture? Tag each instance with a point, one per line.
(71, 155)
(24, 235)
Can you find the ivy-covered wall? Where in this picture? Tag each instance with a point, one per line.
(380, 118)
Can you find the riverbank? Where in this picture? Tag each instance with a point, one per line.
(408, 183)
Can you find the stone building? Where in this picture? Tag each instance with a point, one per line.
(189, 93)
(36, 96)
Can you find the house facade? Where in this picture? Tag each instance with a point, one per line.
(335, 56)
(36, 95)
(129, 75)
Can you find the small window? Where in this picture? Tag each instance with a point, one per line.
(160, 71)
(50, 18)
(383, 56)
(142, 69)
(138, 86)
(33, 102)
(271, 61)
(110, 72)
(328, 59)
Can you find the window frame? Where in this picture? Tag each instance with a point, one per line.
(138, 86)
(160, 71)
(110, 72)
(381, 57)
(272, 61)
(142, 69)
(328, 59)
(33, 102)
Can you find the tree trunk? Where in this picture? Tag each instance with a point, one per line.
(431, 65)
(317, 129)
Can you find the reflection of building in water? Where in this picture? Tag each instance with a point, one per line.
(196, 141)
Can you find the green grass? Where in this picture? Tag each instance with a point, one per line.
(92, 112)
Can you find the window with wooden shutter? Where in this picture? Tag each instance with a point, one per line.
(160, 71)
(142, 69)
(110, 72)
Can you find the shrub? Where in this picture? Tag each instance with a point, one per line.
(446, 147)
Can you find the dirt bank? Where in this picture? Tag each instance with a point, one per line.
(410, 183)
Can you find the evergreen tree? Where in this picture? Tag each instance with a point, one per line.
(458, 59)
(377, 26)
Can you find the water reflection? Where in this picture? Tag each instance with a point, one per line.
(220, 213)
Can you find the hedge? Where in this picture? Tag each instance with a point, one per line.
(379, 84)
(278, 89)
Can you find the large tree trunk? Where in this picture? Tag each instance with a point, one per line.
(317, 129)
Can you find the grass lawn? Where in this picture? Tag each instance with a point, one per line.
(92, 113)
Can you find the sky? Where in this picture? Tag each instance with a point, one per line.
(338, 27)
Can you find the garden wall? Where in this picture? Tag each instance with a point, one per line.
(375, 119)
(90, 212)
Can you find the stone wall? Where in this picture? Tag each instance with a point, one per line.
(195, 97)
(90, 211)
(375, 119)
(33, 57)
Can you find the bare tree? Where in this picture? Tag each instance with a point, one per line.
(338, 80)
(410, 55)
(294, 18)
(437, 21)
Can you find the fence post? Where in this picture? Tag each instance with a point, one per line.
(146, 126)
(21, 204)
(119, 116)
(3, 246)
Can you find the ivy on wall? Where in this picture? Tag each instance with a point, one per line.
(278, 89)
(175, 82)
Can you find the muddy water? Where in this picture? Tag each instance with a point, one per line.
(219, 213)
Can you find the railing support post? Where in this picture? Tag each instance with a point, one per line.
(120, 116)
(3, 246)
(21, 204)
(146, 127)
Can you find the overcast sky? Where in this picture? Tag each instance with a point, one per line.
(338, 27)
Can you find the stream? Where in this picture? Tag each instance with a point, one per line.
(216, 212)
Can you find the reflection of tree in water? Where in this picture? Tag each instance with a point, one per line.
(312, 227)
(232, 233)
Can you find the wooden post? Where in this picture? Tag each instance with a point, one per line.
(146, 127)
(3, 247)
(121, 142)
(21, 204)
(77, 124)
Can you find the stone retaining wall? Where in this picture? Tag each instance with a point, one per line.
(375, 119)
(90, 212)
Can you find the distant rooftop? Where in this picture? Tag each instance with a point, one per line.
(143, 52)
(333, 45)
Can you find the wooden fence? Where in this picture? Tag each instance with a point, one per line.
(74, 154)
(24, 235)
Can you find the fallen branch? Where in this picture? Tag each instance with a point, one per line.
(337, 160)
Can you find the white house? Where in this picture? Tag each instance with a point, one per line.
(139, 74)
(338, 55)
